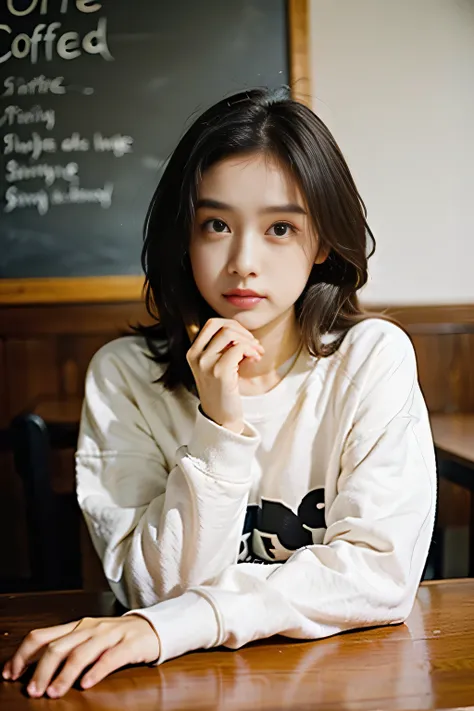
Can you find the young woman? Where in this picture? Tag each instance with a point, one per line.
(276, 473)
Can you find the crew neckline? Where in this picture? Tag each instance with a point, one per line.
(285, 391)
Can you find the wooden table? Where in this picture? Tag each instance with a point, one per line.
(426, 663)
(454, 437)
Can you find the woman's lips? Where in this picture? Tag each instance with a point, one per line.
(244, 302)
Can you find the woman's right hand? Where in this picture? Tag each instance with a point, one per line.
(214, 359)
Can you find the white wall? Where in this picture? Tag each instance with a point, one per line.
(394, 81)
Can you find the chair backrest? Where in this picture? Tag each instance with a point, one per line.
(445, 355)
(52, 519)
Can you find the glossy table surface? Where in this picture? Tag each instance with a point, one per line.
(426, 663)
(454, 437)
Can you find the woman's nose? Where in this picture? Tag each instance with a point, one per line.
(244, 258)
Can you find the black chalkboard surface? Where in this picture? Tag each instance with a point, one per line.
(93, 98)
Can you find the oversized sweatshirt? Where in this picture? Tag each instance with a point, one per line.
(317, 519)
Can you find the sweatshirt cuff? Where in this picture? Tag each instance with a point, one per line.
(216, 449)
(182, 624)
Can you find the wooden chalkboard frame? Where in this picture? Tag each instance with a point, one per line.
(129, 288)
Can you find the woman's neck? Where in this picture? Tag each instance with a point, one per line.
(281, 341)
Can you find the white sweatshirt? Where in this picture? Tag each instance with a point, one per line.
(331, 487)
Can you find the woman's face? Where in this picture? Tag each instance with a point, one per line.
(251, 231)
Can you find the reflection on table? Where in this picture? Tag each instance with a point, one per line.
(425, 663)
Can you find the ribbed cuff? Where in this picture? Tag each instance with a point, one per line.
(218, 451)
(183, 624)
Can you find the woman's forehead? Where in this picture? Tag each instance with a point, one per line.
(239, 176)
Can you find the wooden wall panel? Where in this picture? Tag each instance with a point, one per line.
(14, 562)
(443, 337)
(446, 370)
(454, 505)
(14, 559)
(45, 351)
(3, 387)
(73, 357)
(44, 354)
(72, 319)
(449, 314)
(31, 365)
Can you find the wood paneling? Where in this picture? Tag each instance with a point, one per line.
(71, 290)
(45, 350)
(14, 562)
(435, 314)
(44, 354)
(443, 337)
(31, 365)
(69, 319)
(446, 369)
(3, 385)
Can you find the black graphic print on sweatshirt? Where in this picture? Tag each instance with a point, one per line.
(272, 532)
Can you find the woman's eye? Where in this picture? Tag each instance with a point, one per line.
(279, 226)
(218, 225)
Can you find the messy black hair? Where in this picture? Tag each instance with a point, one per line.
(272, 123)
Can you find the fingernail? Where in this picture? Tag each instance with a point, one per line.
(6, 674)
(17, 674)
(32, 688)
(53, 691)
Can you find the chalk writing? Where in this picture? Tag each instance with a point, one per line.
(118, 144)
(47, 40)
(16, 199)
(15, 115)
(38, 85)
(42, 200)
(75, 142)
(36, 145)
(54, 183)
(77, 195)
(49, 173)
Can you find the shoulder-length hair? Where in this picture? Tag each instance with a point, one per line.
(270, 122)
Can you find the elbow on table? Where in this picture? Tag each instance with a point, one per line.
(394, 603)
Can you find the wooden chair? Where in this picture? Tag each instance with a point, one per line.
(52, 518)
(445, 355)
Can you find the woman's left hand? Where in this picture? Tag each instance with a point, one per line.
(110, 642)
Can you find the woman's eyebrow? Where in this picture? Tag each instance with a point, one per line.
(217, 205)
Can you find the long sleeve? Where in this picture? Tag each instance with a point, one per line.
(159, 526)
(379, 527)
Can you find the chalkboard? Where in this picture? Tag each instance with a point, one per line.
(93, 98)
